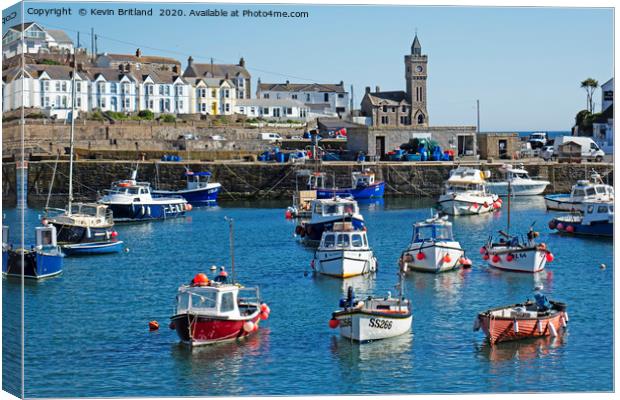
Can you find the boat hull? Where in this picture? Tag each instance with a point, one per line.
(517, 189)
(507, 329)
(562, 202)
(529, 259)
(36, 265)
(597, 228)
(71, 234)
(371, 191)
(466, 204)
(434, 256)
(366, 326)
(197, 330)
(314, 231)
(196, 197)
(345, 263)
(93, 248)
(146, 211)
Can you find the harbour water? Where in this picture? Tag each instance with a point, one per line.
(87, 334)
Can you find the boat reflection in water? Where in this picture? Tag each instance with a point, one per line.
(542, 278)
(363, 285)
(449, 285)
(526, 349)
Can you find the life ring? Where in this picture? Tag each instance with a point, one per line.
(124, 184)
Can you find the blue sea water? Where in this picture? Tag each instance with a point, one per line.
(87, 330)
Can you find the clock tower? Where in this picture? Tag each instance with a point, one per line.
(415, 75)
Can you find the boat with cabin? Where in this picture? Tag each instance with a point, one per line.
(583, 190)
(597, 219)
(530, 319)
(373, 318)
(131, 200)
(302, 199)
(43, 260)
(433, 248)
(199, 191)
(326, 212)
(465, 193)
(209, 311)
(344, 252)
(520, 181)
(364, 185)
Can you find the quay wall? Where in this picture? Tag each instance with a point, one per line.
(255, 180)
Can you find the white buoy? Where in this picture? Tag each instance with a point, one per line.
(603, 266)
(554, 333)
(540, 328)
(213, 268)
(248, 326)
(563, 321)
(516, 326)
(476, 324)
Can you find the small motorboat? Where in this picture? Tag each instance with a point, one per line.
(130, 201)
(363, 186)
(302, 199)
(43, 260)
(525, 320)
(520, 181)
(344, 252)
(85, 228)
(583, 190)
(198, 191)
(597, 220)
(433, 248)
(465, 193)
(373, 318)
(217, 310)
(326, 212)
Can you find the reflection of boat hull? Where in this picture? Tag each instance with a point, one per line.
(365, 192)
(499, 329)
(345, 263)
(145, 212)
(434, 256)
(517, 189)
(364, 326)
(314, 231)
(529, 259)
(196, 197)
(196, 330)
(112, 246)
(37, 264)
(466, 205)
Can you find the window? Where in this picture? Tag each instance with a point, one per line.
(78, 102)
(64, 86)
(326, 97)
(385, 120)
(356, 240)
(78, 86)
(329, 241)
(384, 108)
(294, 96)
(266, 111)
(205, 300)
(602, 209)
(112, 87)
(242, 110)
(203, 107)
(227, 107)
(161, 89)
(289, 111)
(213, 93)
(421, 119)
(265, 95)
(307, 97)
(127, 103)
(227, 93)
(125, 88)
(340, 95)
(590, 209)
(180, 106)
(253, 110)
(240, 82)
(228, 302)
(57, 86)
(590, 192)
(404, 109)
(343, 240)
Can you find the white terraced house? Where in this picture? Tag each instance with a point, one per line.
(213, 96)
(165, 93)
(35, 39)
(280, 110)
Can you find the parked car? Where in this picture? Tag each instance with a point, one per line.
(217, 137)
(296, 137)
(269, 136)
(538, 140)
(547, 153)
(189, 136)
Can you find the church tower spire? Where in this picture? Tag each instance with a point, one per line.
(415, 77)
(416, 47)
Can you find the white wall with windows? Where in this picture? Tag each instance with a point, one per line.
(272, 109)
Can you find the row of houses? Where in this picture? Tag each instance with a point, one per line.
(134, 82)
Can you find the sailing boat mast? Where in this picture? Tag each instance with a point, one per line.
(71, 140)
(232, 246)
(509, 196)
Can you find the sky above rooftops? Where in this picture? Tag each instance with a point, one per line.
(524, 64)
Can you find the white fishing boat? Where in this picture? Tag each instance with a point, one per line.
(433, 248)
(465, 193)
(326, 212)
(373, 318)
(344, 252)
(597, 219)
(520, 181)
(583, 190)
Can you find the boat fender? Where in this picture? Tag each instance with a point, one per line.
(515, 325)
(563, 321)
(312, 264)
(549, 256)
(560, 226)
(477, 324)
(88, 232)
(248, 326)
(264, 315)
(483, 250)
(540, 328)
(172, 325)
(554, 333)
(496, 258)
(188, 207)
(566, 316)
(485, 257)
(420, 256)
(333, 323)
(570, 229)
(509, 257)
(447, 259)
(265, 308)
(148, 210)
(142, 210)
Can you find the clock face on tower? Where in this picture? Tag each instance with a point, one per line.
(419, 68)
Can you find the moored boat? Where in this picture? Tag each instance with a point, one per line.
(524, 320)
(433, 248)
(520, 181)
(130, 200)
(198, 191)
(597, 220)
(363, 186)
(43, 260)
(344, 252)
(373, 318)
(326, 212)
(465, 193)
(583, 190)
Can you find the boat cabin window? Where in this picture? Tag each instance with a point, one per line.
(600, 190)
(590, 191)
(579, 193)
(182, 302)
(590, 209)
(331, 209)
(318, 208)
(611, 209)
(349, 209)
(443, 233)
(602, 209)
(203, 299)
(329, 241)
(46, 238)
(432, 232)
(343, 240)
(356, 240)
(422, 233)
(228, 302)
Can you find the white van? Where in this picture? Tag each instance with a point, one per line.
(589, 149)
(270, 136)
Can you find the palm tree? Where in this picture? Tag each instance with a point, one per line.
(590, 86)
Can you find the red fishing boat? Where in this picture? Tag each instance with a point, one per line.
(525, 320)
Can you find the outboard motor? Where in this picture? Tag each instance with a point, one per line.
(350, 300)
(541, 302)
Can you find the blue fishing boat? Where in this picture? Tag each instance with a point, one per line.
(364, 186)
(326, 212)
(597, 220)
(582, 191)
(43, 260)
(132, 201)
(198, 192)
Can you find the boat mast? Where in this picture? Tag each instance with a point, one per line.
(232, 246)
(71, 139)
(509, 196)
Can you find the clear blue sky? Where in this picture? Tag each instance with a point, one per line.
(524, 64)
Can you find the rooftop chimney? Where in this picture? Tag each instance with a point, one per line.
(341, 83)
(138, 53)
(241, 62)
(377, 89)
(287, 82)
(367, 89)
(190, 61)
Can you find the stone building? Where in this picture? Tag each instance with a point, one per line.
(501, 146)
(401, 108)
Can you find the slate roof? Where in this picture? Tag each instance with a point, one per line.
(301, 87)
(61, 72)
(18, 27)
(59, 36)
(393, 98)
(215, 71)
(142, 59)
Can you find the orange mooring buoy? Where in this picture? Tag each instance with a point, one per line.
(153, 326)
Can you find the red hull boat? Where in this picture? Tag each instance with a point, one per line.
(520, 321)
(198, 330)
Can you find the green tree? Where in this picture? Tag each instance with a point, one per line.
(590, 85)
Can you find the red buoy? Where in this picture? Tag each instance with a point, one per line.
(509, 257)
(552, 224)
(560, 226)
(113, 234)
(188, 207)
(420, 256)
(475, 205)
(447, 258)
(483, 250)
(201, 279)
(265, 308)
(549, 257)
(288, 214)
(496, 258)
(264, 315)
(485, 257)
(570, 229)
(333, 323)
(153, 326)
